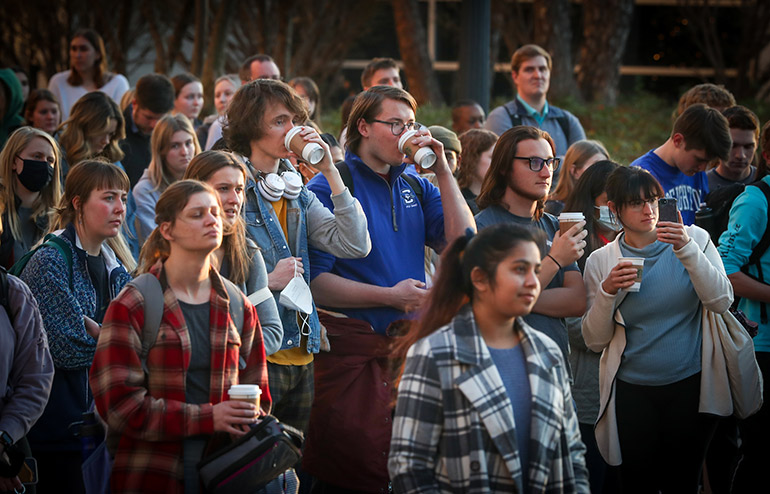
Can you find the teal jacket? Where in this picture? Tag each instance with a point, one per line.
(748, 221)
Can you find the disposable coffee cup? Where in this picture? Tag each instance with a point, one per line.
(638, 263)
(310, 152)
(568, 220)
(423, 156)
(250, 393)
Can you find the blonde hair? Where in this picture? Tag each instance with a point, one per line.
(171, 202)
(577, 155)
(50, 195)
(201, 168)
(90, 116)
(82, 180)
(164, 131)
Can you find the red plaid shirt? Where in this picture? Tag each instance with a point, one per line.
(151, 417)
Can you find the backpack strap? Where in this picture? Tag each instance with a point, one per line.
(515, 117)
(759, 251)
(346, 176)
(347, 179)
(50, 240)
(152, 293)
(563, 122)
(149, 286)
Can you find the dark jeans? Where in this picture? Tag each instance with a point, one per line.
(723, 456)
(755, 435)
(594, 461)
(663, 438)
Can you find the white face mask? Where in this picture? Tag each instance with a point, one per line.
(297, 296)
(607, 220)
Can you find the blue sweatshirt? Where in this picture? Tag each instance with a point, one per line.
(399, 225)
(689, 192)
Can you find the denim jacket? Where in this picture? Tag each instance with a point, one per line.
(343, 233)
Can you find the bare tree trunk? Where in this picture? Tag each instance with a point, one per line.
(215, 59)
(200, 38)
(173, 51)
(553, 32)
(606, 25)
(148, 12)
(418, 67)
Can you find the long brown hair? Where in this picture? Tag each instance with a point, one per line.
(90, 116)
(452, 286)
(171, 202)
(201, 168)
(474, 143)
(497, 177)
(82, 180)
(577, 155)
(101, 75)
(160, 143)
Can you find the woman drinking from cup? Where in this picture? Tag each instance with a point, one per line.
(651, 336)
(163, 415)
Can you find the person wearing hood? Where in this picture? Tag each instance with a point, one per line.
(11, 103)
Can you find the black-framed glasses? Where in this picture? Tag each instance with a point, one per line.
(639, 204)
(397, 128)
(536, 163)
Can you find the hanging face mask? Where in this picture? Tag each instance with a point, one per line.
(296, 296)
(607, 220)
(35, 175)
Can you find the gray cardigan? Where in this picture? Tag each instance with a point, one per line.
(255, 288)
(26, 367)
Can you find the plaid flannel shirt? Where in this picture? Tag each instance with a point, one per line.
(454, 429)
(149, 413)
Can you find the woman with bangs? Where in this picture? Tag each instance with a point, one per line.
(88, 72)
(93, 130)
(73, 288)
(173, 145)
(162, 413)
(31, 189)
(651, 421)
(578, 158)
(238, 258)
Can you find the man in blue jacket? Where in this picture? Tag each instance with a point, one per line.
(404, 213)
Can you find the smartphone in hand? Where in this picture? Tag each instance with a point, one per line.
(667, 210)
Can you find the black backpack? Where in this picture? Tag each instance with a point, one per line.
(720, 202)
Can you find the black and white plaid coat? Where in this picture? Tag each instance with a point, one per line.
(454, 429)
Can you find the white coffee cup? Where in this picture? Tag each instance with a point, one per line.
(311, 152)
(250, 393)
(638, 263)
(423, 156)
(568, 219)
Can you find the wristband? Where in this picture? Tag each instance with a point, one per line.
(554, 260)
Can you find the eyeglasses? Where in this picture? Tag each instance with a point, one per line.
(397, 128)
(638, 204)
(536, 163)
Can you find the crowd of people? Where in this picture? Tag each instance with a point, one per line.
(518, 314)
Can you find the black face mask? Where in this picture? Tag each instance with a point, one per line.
(35, 175)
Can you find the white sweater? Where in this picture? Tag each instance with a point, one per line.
(68, 94)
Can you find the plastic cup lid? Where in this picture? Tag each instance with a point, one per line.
(316, 154)
(244, 389)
